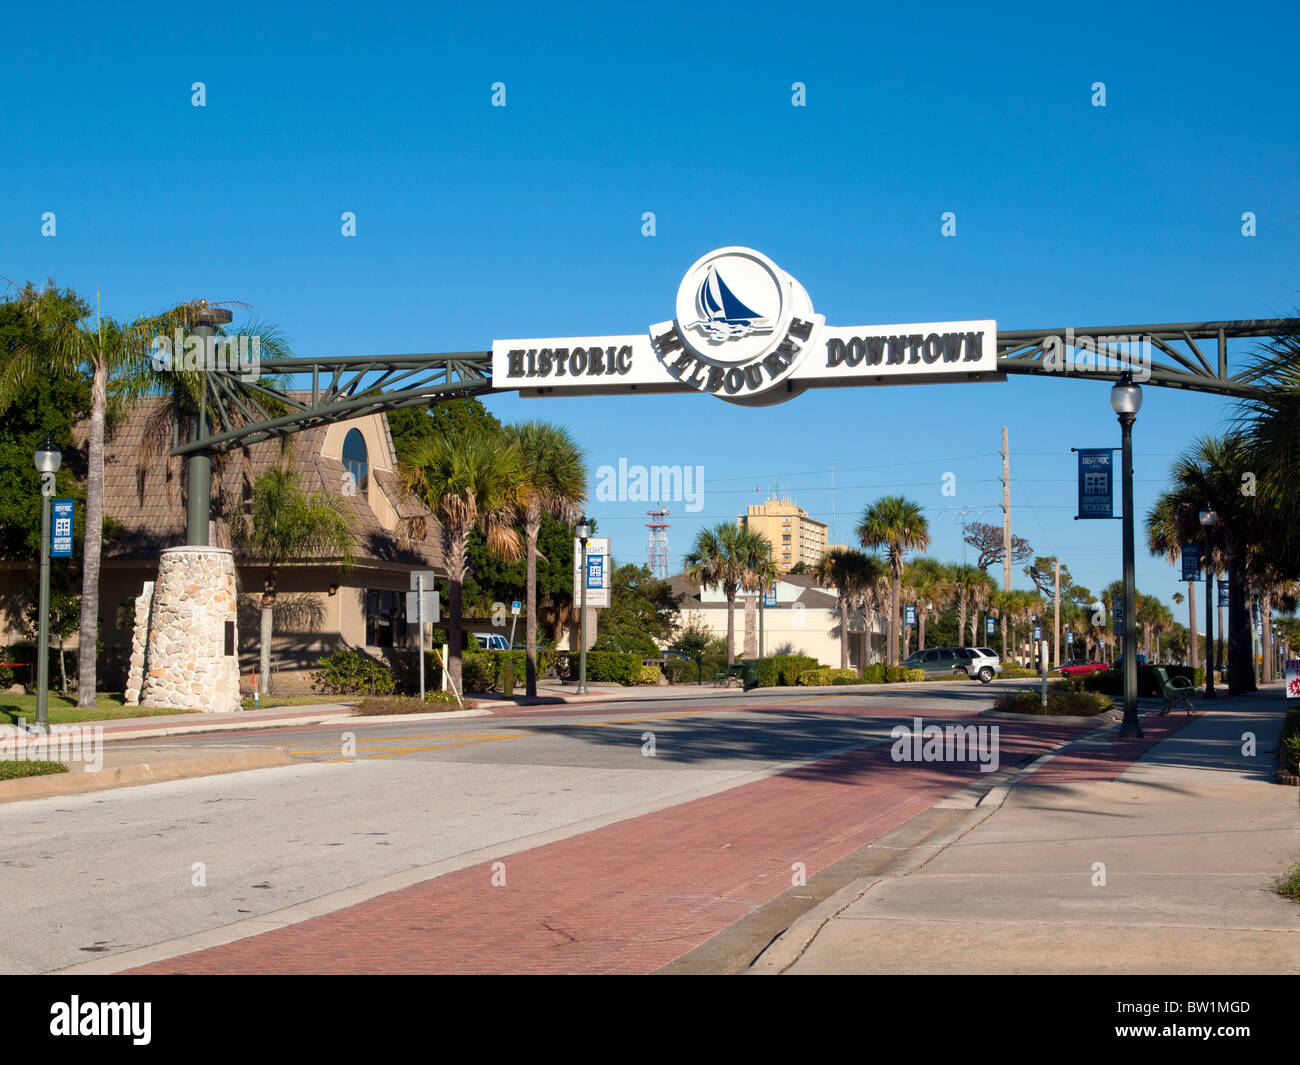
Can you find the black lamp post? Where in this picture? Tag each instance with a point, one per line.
(1126, 401)
(1209, 519)
(584, 534)
(47, 460)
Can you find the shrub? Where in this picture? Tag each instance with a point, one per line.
(911, 675)
(373, 706)
(476, 671)
(346, 671)
(649, 675)
(617, 667)
(405, 667)
(874, 674)
(1015, 672)
(679, 671)
(823, 676)
(1062, 699)
(1111, 681)
(1290, 746)
(783, 670)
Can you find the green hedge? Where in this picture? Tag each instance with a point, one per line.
(1111, 681)
(679, 671)
(405, 666)
(347, 672)
(817, 677)
(783, 670)
(874, 674)
(609, 667)
(480, 671)
(1062, 700)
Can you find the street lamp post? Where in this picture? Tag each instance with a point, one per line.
(47, 460)
(584, 534)
(1209, 519)
(1126, 401)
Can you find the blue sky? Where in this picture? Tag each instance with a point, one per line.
(475, 222)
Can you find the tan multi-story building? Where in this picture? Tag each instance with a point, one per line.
(794, 536)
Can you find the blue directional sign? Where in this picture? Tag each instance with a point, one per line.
(909, 615)
(1096, 464)
(988, 626)
(595, 571)
(61, 533)
(1191, 562)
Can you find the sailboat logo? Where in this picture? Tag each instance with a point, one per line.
(722, 315)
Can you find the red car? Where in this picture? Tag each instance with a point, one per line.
(1078, 667)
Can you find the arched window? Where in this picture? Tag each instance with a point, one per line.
(355, 460)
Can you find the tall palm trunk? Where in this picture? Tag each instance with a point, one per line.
(920, 639)
(751, 618)
(268, 613)
(731, 626)
(1241, 670)
(895, 610)
(1266, 635)
(89, 635)
(456, 560)
(1191, 617)
(532, 527)
(844, 628)
(961, 617)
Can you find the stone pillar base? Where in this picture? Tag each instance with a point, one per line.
(184, 662)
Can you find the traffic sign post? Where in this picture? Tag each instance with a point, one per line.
(424, 606)
(514, 611)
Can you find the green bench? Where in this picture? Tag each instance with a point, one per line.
(746, 672)
(1177, 692)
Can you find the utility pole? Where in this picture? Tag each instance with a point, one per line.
(1056, 623)
(1006, 513)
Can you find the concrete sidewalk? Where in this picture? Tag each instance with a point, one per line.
(1091, 865)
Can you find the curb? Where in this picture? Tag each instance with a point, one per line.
(74, 783)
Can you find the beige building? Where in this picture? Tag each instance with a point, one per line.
(794, 536)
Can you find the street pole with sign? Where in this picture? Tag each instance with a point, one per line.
(1209, 519)
(584, 534)
(47, 460)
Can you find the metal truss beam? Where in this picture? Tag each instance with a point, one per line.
(348, 386)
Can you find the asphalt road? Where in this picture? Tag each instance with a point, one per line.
(97, 874)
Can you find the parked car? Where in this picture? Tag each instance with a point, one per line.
(491, 641)
(985, 663)
(1119, 662)
(1080, 667)
(941, 662)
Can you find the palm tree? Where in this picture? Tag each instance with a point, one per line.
(845, 570)
(761, 576)
(934, 589)
(1210, 472)
(467, 478)
(116, 357)
(899, 526)
(967, 580)
(288, 525)
(555, 483)
(1167, 525)
(725, 556)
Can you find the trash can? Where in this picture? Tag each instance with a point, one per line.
(507, 677)
(749, 673)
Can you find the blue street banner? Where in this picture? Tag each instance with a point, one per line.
(1191, 562)
(1117, 615)
(61, 533)
(1096, 464)
(769, 597)
(1223, 591)
(909, 615)
(595, 571)
(1069, 638)
(1038, 632)
(988, 626)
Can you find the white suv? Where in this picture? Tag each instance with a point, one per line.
(985, 664)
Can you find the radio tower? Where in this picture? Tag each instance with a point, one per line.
(657, 548)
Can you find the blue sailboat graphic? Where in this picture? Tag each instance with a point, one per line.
(722, 314)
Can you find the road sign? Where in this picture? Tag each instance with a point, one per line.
(1069, 638)
(988, 626)
(515, 607)
(1038, 632)
(430, 579)
(1096, 464)
(909, 615)
(598, 571)
(1293, 678)
(769, 597)
(61, 533)
(1191, 562)
(432, 608)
